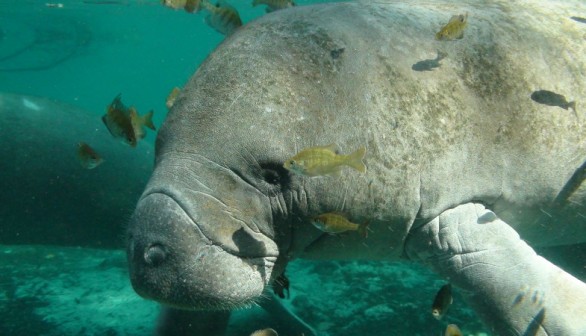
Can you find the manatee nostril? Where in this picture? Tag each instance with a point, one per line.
(155, 254)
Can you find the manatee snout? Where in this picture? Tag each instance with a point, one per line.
(181, 263)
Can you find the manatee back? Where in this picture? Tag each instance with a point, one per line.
(344, 73)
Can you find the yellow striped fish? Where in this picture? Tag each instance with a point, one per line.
(332, 222)
(323, 160)
(222, 17)
(454, 29)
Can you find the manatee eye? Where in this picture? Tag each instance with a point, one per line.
(271, 176)
(275, 177)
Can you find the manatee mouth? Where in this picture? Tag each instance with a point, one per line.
(175, 262)
(249, 252)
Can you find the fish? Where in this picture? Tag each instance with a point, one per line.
(222, 17)
(175, 4)
(87, 156)
(265, 332)
(552, 99)
(140, 122)
(454, 29)
(452, 330)
(117, 120)
(441, 303)
(124, 123)
(280, 285)
(172, 97)
(323, 160)
(193, 6)
(430, 64)
(332, 222)
(273, 5)
(578, 19)
(190, 6)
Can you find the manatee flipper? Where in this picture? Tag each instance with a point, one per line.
(273, 305)
(515, 291)
(193, 323)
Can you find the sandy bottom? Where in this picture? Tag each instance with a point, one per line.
(74, 291)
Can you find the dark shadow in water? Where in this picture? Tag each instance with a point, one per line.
(18, 309)
(429, 64)
(535, 325)
(578, 19)
(571, 186)
(182, 322)
(252, 248)
(52, 45)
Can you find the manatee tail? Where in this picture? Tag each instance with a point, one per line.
(354, 160)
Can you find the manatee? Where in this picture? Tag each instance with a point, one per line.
(466, 174)
(47, 197)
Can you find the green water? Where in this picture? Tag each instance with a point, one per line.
(85, 53)
(70, 279)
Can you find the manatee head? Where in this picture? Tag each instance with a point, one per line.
(213, 225)
(202, 236)
(221, 216)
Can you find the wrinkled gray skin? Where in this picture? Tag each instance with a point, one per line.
(461, 162)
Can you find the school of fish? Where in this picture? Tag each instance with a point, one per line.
(124, 124)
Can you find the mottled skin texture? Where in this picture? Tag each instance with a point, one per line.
(220, 217)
